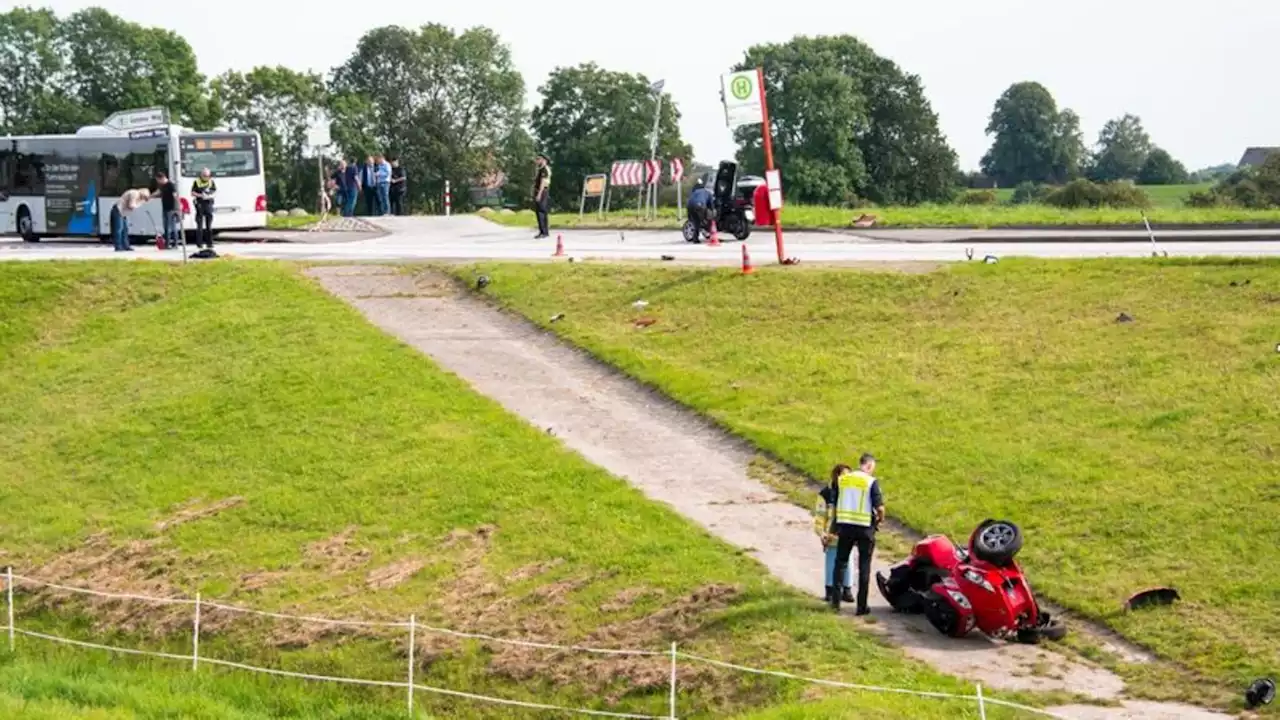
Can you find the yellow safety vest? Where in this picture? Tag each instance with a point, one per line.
(853, 507)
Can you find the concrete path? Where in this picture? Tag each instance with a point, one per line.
(677, 458)
(473, 238)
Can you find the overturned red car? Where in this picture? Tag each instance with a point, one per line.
(982, 586)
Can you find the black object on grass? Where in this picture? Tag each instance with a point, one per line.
(1151, 598)
(1261, 692)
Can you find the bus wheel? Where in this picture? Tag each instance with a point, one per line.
(26, 228)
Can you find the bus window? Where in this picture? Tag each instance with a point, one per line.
(142, 169)
(223, 155)
(112, 182)
(28, 176)
(6, 170)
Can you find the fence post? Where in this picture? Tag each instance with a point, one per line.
(982, 705)
(8, 595)
(195, 637)
(673, 681)
(412, 643)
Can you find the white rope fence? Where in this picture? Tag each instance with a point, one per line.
(410, 686)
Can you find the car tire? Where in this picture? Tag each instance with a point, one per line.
(742, 231)
(25, 226)
(941, 616)
(997, 542)
(690, 231)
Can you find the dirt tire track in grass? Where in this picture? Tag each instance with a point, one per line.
(678, 458)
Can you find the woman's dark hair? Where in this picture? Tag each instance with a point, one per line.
(839, 470)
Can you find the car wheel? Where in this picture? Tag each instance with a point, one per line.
(690, 231)
(997, 542)
(742, 230)
(942, 616)
(26, 226)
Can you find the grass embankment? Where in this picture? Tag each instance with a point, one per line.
(809, 217)
(1165, 196)
(1133, 454)
(232, 430)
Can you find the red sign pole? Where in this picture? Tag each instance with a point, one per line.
(768, 161)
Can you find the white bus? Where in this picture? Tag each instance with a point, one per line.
(65, 185)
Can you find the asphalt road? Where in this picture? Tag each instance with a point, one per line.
(467, 238)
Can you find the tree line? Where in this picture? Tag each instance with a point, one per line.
(850, 126)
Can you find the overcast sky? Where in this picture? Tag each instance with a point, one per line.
(1200, 74)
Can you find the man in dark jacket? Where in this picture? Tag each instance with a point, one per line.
(542, 196)
(369, 181)
(399, 185)
(168, 193)
(699, 208)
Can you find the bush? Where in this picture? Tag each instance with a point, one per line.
(978, 197)
(1253, 188)
(1029, 192)
(1204, 199)
(1083, 193)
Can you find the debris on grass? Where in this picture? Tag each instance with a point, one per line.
(195, 510)
(535, 569)
(336, 554)
(627, 598)
(389, 576)
(1124, 318)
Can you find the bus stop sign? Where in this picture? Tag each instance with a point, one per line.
(127, 120)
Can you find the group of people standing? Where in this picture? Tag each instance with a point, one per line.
(382, 184)
(203, 191)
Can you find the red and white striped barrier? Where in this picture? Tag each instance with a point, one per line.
(677, 170)
(627, 173)
(653, 171)
(448, 199)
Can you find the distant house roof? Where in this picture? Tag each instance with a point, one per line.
(1255, 156)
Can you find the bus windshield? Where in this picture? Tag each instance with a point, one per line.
(224, 155)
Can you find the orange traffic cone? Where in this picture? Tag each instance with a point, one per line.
(559, 246)
(747, 267)
(715, 236)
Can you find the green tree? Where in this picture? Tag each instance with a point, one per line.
(1034, 141)
(1161, 168)
(279, 103)
(847, 124)
(590, 117)
(515, 161)
(443, 102)
(1123, 146)
(114, 64)
(31, 62)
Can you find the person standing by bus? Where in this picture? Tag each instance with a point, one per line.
(203, 191)
(399, 184)
(542, 196)
(350, 188)
(131, 200)
(382, 173)
(169, 206)
(369, 181)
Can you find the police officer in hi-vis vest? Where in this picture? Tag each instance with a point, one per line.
(859, 509)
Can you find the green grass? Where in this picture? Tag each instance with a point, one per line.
(290, 222)
(1133, 454)
(1167, 201)
(128, 389)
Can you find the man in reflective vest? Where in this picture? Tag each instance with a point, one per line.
(859, 510)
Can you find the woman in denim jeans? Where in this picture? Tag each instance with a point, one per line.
(824, 520)
(131, 200)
